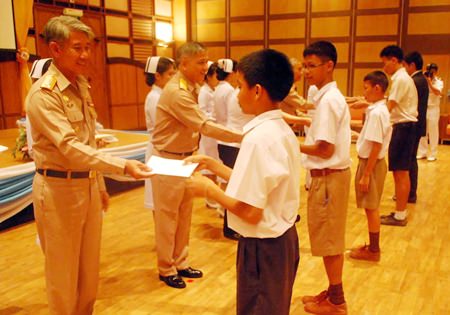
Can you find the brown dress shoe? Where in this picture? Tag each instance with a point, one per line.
(325, 307)
(315, 298)
(364, 253)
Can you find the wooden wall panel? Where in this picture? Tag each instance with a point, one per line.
(211, 32)
(240, 30)
(117, 26)
(369, 51)
(429, 23)
(142, 7)
(118, 50)
(216, 53)
(163, 7)
(244, 8)
(341, 77)
(342, 52)
(141, 117)
(164, 51)
(330, 5)
(119, 5)
(291, 50)
(95, 3)
(9, 74)
(379, 4)
(211, 9)
(122, 82)
(287, 6)
(142, 51)
(291, 28)
(142, 88)
(330, 26)
(368, 25)
(417, 3)
(125, 117)
(237, 52)
(142, 28)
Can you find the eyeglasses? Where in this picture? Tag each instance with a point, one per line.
(311, 67)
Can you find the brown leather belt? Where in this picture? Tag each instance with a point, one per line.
(325, 171)
(66, 174)
(183, 154)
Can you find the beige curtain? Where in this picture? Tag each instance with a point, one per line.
(23, 19)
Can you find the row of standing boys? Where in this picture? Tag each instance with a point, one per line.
(261, 194)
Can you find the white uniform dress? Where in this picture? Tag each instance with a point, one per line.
(151, 101)
(433, 113)
(208, 145)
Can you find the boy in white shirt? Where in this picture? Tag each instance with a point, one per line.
(262, 195)
(327, 158)
(372, 146)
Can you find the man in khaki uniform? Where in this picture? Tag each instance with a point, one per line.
(68, 190)
(179, 122)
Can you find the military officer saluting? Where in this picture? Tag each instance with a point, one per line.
(68, 189)
(179, 122)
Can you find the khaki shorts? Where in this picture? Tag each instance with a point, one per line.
(370, 199)
(327, 213)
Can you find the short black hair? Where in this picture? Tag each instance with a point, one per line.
(323, 49)
(211, 70)
(392, 51)
(163, 65)
(416, 58)
(377, 77)
(432, 66)
(269, 68)
(222, 75)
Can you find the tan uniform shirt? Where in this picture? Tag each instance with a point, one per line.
(292, 102)
(63, 119)
(179, 120)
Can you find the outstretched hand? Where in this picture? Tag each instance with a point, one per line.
(204, 161)
(137, 169)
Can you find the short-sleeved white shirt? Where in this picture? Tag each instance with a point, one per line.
(433, 99)
(222, 93)
(331, 123)
(267, 176)
(151, 101)
(377, 128)
(206, 101)
(236, 119)
(404, 93)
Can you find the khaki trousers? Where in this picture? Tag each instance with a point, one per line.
(172, 215)
(69, 220)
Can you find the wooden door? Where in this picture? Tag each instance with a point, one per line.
(97, 69)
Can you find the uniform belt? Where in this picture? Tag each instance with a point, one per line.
(178, 153)
(66, 174)
(325, 171)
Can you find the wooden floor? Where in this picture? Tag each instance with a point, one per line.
(413, 276)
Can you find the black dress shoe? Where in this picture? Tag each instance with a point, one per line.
(173, 281)
(190, 273)
(412, 199)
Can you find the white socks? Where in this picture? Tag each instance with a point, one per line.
(401, 215)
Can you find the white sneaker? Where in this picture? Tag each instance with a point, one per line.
(431, 159)
(421, 157)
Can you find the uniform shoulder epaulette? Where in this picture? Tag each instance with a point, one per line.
(49, 82)
(183, 84)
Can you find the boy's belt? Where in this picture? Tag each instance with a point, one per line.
(325, 171)
(66, 174)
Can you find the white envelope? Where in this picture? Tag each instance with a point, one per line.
(170, 167)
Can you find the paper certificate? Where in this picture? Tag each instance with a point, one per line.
(170, 167)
